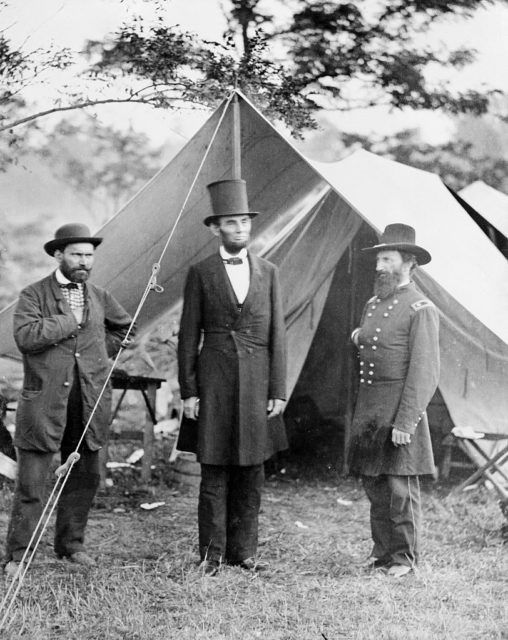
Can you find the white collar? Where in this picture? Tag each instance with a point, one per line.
(60, 278)
(225, 255)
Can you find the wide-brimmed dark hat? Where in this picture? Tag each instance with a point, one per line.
(229, 198)
(70, 234)
(400, 237)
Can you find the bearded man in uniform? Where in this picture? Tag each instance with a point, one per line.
(398, 351)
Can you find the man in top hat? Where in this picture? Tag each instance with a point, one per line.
(398, 351)
(234, 385)
(66, 328)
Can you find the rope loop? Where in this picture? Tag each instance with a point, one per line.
(68, 464)
(152, 283)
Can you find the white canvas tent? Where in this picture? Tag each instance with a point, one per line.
(491, 203)
(315, 218)
(489, 209)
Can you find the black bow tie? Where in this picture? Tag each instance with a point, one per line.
(232, 260)
(69, 285)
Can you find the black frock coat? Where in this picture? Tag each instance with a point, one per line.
(399, 370)
(233, 361)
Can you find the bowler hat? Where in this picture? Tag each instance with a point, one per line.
(400, 237)
(70, 234)
(229, 198)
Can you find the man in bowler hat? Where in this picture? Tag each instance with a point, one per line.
(66, 328)
(232, 373)
(398, 351)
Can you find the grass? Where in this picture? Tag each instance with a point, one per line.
(148, 585)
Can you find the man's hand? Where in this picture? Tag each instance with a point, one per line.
(400, 438)
(191, 407)
(275, 407)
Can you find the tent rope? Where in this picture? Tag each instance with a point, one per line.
(65, 469)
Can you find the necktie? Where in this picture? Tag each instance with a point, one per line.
(69, 285)
(232, 261)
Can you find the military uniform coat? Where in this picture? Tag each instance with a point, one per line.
(399, 371)
(54, 348)
(234, 361)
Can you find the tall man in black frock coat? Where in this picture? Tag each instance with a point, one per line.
(232, 374)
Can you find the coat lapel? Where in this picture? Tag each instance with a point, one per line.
(56, 291)
(255, 283)
(55, 287)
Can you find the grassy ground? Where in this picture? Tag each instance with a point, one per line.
(148, 586)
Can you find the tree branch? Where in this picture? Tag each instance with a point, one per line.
(82, 105)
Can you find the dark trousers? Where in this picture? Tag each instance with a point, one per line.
(228, 510)
(395, 517)
(76, 498)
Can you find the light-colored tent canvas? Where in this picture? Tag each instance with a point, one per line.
(312, 217)
(489, 209)
(489, 202)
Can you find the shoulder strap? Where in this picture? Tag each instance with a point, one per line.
(422, 304)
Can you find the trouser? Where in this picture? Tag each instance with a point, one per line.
(77, 496)
(395, 517)
(228, 510)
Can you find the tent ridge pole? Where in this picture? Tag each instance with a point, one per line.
(237, 140)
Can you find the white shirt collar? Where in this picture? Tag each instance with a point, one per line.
(60, 278)
(225, 255)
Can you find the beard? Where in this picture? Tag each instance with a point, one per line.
(75, 274)
(386, 283)
(234, 246)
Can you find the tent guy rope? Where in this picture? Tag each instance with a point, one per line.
(65, 469)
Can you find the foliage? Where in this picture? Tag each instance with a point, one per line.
(103, 164)
(292, 60)
(18, 262)
(171, 69)
(359, 57)
(13, 143)
(20, 69)
(456, 161)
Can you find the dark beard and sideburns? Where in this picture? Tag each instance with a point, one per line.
(71, 274)
(385, 284)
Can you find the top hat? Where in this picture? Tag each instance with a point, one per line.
(70, 234)
(229, 198)
(400, 237)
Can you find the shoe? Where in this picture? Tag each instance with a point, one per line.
(210, 567)
(12, 567)
(377, 563)
(250, 564)
(82, 558)
(399, 570)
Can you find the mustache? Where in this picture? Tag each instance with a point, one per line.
(383, 276)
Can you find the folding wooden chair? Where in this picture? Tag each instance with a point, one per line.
(492, 467)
